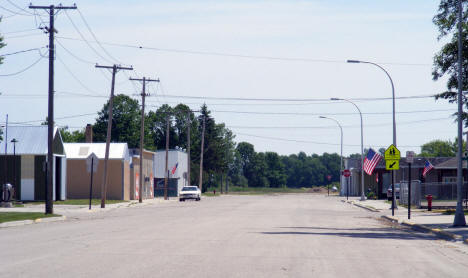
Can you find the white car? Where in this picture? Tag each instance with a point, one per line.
(189, 192)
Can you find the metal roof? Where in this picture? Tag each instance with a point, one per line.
(83, 150)
(32, 140)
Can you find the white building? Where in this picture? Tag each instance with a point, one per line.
(177, 168)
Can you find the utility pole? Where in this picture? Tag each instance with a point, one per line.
(49, 206)
(167, 157)
(200, 180)
(109, 129)
(142, 130)
(188, 147)
(459, 219)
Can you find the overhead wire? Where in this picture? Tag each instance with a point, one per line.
(258, 57)
(25, 69)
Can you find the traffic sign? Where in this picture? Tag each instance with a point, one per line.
(409, 157)
(346, 173)
(392, 164)
(95, 161)
(392, 153)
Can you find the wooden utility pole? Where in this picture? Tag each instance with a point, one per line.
(166, 172)
(109, 129)
(188, 147)
(200, 180)
(49, 189)
(142, 130)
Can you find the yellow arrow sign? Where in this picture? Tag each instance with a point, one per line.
(392, 153)
(392, 164)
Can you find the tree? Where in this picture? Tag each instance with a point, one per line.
(275, 170)
(438, 148)
(2, 44)
(125, 122)
(445, 61)
(77, 136)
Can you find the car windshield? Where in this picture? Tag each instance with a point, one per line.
(191, 188)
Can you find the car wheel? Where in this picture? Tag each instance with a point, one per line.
(198, 199)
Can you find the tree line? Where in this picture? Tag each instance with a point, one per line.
(223, 161)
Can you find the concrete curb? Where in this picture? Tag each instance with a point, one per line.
(390, 218)
(366, 207)
(28, 222)
(438, 232)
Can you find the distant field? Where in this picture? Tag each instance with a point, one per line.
(267, 190)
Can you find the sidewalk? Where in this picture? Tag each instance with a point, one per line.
(74, 211)
(421, 219)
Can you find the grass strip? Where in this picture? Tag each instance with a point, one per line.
(17, 216)
(79, 202)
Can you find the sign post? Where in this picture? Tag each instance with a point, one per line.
(329, 177)
(409, 160)
(392, 162)
(91, 166)
(347, 174)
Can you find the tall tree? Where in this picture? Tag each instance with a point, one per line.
(438, 148)
(445, 61)
(125, 122)
(76, 136)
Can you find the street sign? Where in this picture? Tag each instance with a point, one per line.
(392, 153)
(409, 157)
(329, 177)
(392, 164)
(346, 173)
(95, 161)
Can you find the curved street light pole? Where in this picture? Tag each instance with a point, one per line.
(363, 197)
(341, 153)
(394, 122)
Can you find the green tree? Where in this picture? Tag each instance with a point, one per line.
(156, 121)
(125, 122)
(76, 136)
(438, 148)
(445, 61)
(275, 173)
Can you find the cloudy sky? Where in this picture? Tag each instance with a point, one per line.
(216, 51)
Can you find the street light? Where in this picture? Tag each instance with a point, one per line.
(14, 141)
(393, 115)
(341, 154)
(363, 197)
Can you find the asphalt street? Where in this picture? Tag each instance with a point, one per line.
(293, 235)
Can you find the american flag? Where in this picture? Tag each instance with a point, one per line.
(174, 168)
(371, 161)
(427, 168)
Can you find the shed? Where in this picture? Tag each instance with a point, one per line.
(78, 179)
(23, 164)
(177, 168)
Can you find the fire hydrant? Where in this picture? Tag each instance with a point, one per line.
(429, 202)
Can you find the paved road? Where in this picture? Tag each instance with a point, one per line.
(231, 236)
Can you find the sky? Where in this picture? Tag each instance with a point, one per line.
(226, 53)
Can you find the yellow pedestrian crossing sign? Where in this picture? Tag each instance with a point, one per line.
(392, 153)
(392, 164)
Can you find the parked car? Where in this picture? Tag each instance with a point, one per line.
(189, 192)
(397, 190)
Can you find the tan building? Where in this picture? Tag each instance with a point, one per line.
(148, 175)
(78, 178)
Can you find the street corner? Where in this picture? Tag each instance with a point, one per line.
(389, 218)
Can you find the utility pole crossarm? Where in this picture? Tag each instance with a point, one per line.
(118, 67)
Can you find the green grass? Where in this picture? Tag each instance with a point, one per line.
(16, 216)
(452, 212)
(16, 205)
(80, 202)
(256, 190)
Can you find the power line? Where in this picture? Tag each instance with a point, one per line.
(20, 31)
(23, 70)
(22, 51)
(296, 99)
(20, 8)
(310, 142)
(223, 54)
(14, 12)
